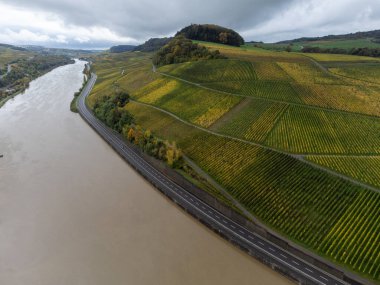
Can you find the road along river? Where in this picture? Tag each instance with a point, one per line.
(73, 212)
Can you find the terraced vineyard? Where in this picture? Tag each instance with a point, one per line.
(280, 101)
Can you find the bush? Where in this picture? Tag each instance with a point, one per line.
(110, 110)
(153, 146)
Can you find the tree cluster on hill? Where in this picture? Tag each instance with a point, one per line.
(373, 52)
(153, 44)
(122, 48)
(212, 33)
(153, 146)
(110, 110)
(181, 49)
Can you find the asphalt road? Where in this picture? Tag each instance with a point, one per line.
(255, 244)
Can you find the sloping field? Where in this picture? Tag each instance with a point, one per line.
(287, 102)
(196, 105)
(210, 71)
(306, 130)
(296, 199)
(365, 169)
(365, 72)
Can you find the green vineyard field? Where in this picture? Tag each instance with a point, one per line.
(306, 130)
(296, 199)
(327, 112)
(199, 106)
(364, 169)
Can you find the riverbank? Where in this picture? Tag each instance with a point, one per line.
(25, 72)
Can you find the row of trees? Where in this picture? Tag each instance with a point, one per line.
(181, 49)
(212, 33)
(373, 52)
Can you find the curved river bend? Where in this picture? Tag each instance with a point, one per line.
(73, 212)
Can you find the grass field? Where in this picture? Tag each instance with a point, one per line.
(283, 101)
(326, 58)
(344, 43)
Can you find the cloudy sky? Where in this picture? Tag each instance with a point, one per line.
(102, 23)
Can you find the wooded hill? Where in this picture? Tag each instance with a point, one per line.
(212, 33)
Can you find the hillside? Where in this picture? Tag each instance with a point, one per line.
(361, 43)
(122, 48)
(212, 33)
(375, 34)
(260, 124)
(153, 44)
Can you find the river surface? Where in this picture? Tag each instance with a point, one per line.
(72, 212)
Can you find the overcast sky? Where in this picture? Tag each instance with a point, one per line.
(103, 23)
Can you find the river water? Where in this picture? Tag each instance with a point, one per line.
(73, 212)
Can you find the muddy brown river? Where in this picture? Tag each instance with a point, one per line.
(72, 212)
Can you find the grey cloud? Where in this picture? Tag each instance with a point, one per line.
(268, 20)
(146, 18)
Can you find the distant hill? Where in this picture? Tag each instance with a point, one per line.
(375, 34)
(153, 44)
(122, 48)
(360, 43)
(212, 33)
(58, 51)
(12, 47)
